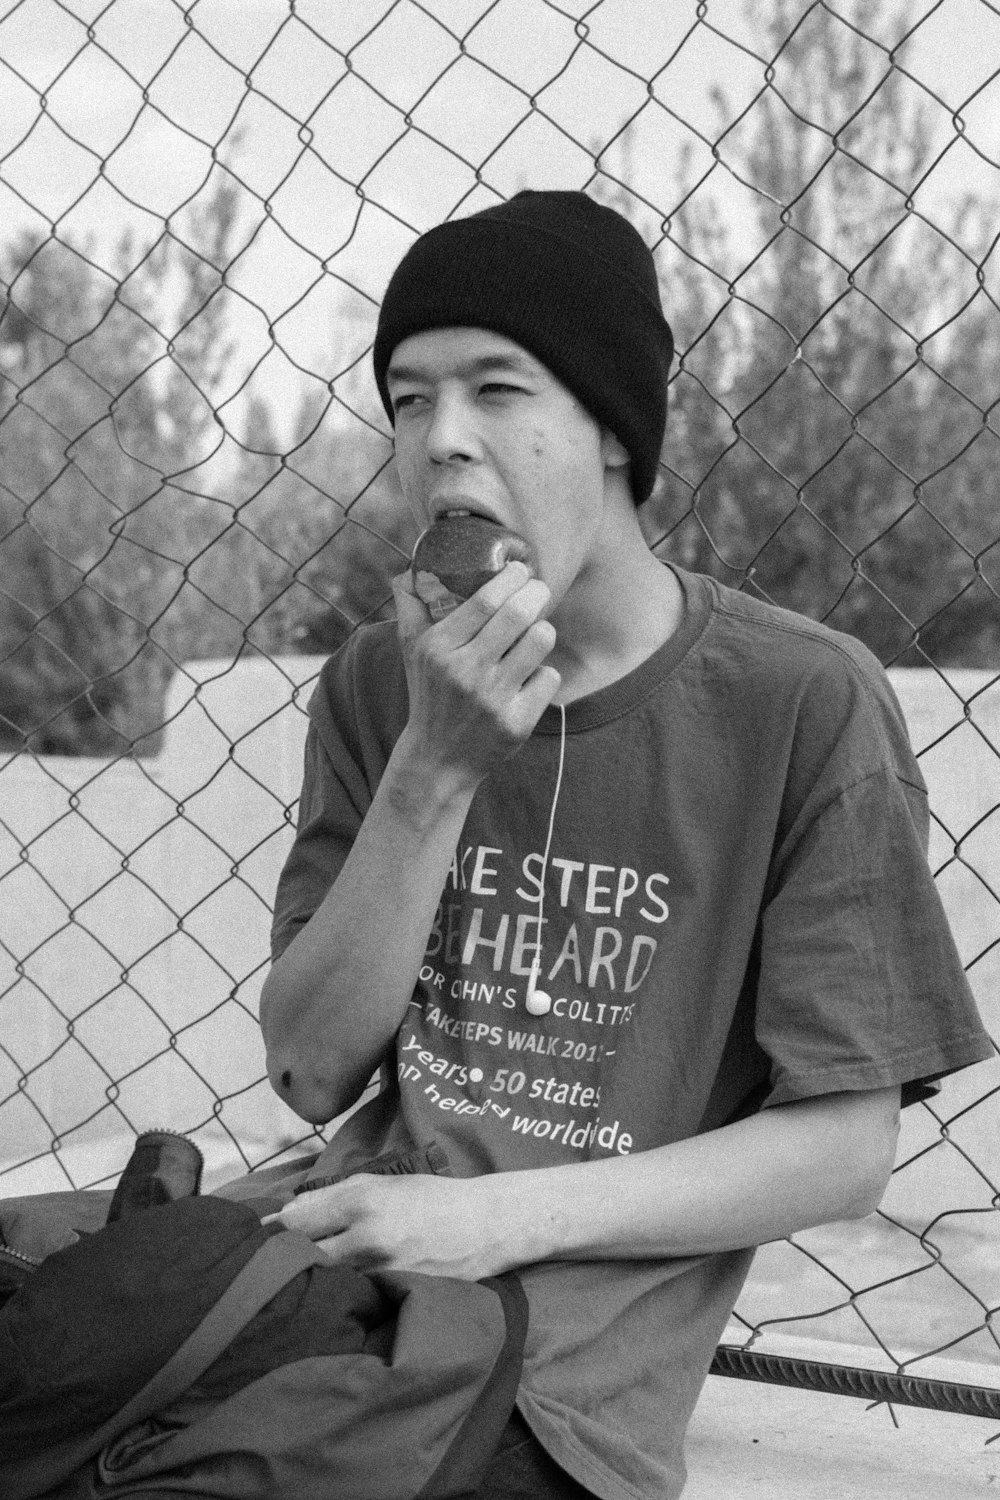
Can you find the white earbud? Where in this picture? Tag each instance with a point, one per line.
(536, 1002)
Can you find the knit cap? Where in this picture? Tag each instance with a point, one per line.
(572, 282)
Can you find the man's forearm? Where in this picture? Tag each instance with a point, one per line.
(336, 997)
(760, 1179)
(477, 685)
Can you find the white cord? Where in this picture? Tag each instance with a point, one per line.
(536, 1002)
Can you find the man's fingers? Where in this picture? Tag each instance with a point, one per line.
(501, 624)
(495, 620)
(337, 1248)
(529, 652)
(538, 692)
(512, 599)
(316, 1214)
(494, 602)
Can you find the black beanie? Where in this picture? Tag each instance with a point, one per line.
(570, 281)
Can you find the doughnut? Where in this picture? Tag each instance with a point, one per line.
(460, 552)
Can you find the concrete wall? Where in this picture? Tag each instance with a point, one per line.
(133, 942)
(134, 914)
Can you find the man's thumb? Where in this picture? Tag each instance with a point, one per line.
(411, 613)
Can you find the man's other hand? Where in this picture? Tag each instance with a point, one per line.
(440, 1226)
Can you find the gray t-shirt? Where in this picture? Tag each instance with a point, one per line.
(738, 912)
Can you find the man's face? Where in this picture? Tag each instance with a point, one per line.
(483, 426)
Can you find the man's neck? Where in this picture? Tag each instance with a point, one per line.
(626, 615)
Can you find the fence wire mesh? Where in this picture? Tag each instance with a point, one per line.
(202, 204)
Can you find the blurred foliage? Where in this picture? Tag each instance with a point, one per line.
(135, 531)
(98, 423)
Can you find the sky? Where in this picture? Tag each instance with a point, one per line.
(353, 124)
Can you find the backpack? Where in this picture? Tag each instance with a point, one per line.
(178, 1347)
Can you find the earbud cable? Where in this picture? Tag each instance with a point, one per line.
(555, 796)
(537, 964)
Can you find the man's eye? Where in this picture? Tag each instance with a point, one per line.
(498, 388)
(404, 400)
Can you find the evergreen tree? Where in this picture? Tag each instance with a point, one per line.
(830, 443)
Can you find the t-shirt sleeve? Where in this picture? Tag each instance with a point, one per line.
(346, 751)
(860, 982)
(327, 824)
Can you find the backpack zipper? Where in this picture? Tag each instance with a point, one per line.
(20, 1258)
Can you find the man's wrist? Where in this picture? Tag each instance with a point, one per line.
(420, 790)
(521, 1214)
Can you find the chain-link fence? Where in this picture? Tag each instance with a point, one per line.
(201, 205)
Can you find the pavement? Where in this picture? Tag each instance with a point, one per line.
(751, 1441)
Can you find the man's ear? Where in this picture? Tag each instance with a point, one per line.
(613, 453)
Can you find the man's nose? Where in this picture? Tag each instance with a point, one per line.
(451, 434)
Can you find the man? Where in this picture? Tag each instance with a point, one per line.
(692, 822)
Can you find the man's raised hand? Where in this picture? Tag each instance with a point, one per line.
(479, 679)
